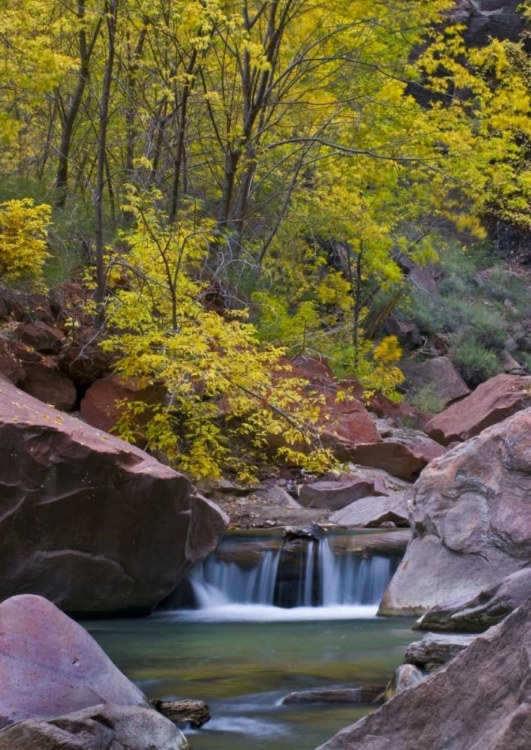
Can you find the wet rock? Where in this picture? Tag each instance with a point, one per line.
(405, 676)
(388, 543)
(471, 515)
(480, 700)
(50, 665)
(89, 521)
(372, 512)
(476, 614)
(440, 373)
(366, 694)
(435, 650)
(334, 495)
(491, 403)
(193, 712)
(101, 727)
(314, 531)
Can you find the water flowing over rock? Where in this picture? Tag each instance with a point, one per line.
(471, 514)
(481, 700)
(104, 727)
(478, 613)
(298, 573)
(87, 520)
(491, 403)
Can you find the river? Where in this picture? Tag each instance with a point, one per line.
(243, 658)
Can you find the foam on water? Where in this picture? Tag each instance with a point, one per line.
(268, 613)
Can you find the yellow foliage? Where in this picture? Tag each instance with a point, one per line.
(226, 394)
(23, 230)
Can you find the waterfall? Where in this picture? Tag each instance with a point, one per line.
(217, 583)
(324, 580)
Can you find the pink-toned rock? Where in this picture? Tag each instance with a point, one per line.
(372, 512)
(101, 405)
(46, 382)
(50, 665)
(89, 521)
(403, 456)
(102, 727)
(10, 368)
(334, 495)
(480, 700)
(471, 515)
(441, 373)
(492, 402)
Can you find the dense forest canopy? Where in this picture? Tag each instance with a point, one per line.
(238, 181)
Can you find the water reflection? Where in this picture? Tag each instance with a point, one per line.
(244, 669)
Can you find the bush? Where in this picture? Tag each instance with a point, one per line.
(475, 363)
(427, 399)
(23, 241)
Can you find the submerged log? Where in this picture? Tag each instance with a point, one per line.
(193, 712)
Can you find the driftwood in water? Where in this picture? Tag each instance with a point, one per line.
(195, 713)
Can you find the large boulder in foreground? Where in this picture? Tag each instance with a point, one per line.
(50, 665)
(477, 613)
(471, 515)
(480, 701)
(491, 403)
(104, 727)
(87, 520)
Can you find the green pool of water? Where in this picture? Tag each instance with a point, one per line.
(244, 669)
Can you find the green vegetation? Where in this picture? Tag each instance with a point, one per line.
(236, 183)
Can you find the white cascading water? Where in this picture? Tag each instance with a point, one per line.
(347, 587)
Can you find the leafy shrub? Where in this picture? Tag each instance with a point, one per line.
(427, 399)
(475, 363)
(23, 241)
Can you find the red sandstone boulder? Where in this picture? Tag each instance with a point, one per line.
(101, 405)
(471, 515)
(349, 421)
(46, 382)
(492, 402)
(481, 700)
(89, 521)
(40, 336)
(404, 454)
